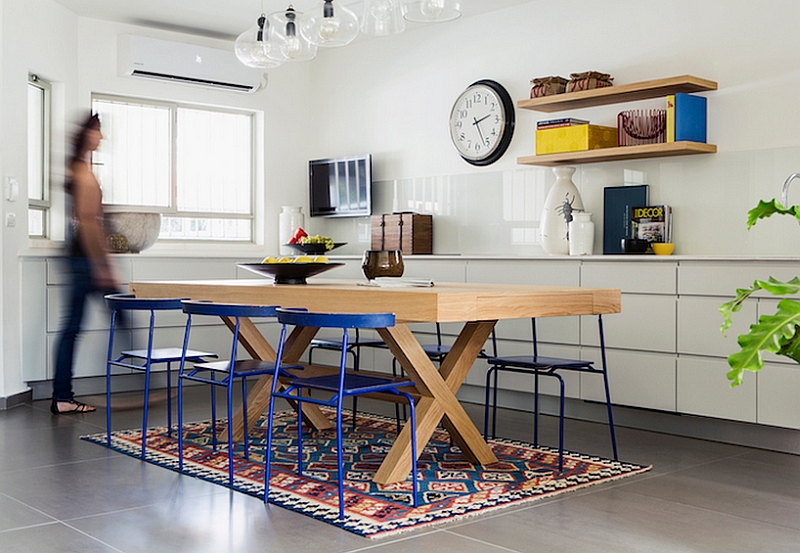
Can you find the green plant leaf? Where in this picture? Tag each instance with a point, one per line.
(776, 333)
(767, 209)
(771, 285)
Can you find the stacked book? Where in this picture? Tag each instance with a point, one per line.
(652, 223)
(564, 122)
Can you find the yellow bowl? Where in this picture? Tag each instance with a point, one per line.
(662, 248)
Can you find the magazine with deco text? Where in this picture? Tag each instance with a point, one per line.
(652, 223)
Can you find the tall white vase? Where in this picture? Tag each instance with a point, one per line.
(289, 219)
(562, 199)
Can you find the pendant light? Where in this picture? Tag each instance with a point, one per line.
(289, 43)
(382, 17)
(431, 11)
(253, 46)
(327, 25)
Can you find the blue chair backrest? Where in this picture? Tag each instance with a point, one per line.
(335, 320)
(194, 307)
(129, 301)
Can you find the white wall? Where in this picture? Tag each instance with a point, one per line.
(392, 97)
(38, 36)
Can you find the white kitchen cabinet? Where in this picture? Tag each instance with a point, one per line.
(704, 390)
(699, 322)
(722, 278)
(777, 400)
(637, 379)
(631, 276)
(647, 323)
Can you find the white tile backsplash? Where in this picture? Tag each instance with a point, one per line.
(498, 212)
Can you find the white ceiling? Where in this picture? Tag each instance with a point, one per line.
(220, 18)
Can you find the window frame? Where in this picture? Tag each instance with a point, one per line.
(172, 210)
(44, 205)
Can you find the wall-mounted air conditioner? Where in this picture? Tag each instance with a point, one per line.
(178, 62)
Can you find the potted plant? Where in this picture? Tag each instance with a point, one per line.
(778, 333)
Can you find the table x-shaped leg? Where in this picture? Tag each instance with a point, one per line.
(437, 389)
(258, 396)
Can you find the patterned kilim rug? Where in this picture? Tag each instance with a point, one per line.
(450, 487)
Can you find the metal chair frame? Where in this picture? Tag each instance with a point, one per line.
(544, 366)
(230, 370)
(353, 348)
(341, 385)
(150, 355)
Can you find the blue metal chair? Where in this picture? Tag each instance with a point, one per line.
(150, 356)
(353, 348)
(538, 365)
(341, 385)
(228, 370)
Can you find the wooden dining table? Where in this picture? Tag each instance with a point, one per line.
(477, 306)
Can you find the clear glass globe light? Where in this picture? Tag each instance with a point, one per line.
(432, 9)
(253, 52)
(329, 25)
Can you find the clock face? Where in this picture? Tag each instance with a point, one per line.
(482, 122)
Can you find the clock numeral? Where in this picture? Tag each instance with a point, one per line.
(477, 97)
(496, 118)
(477, 146)
(494, 132)
(462, 113)
(458, 124)
(462, 137)
(468, 103)
(494, 105)
(488, 142)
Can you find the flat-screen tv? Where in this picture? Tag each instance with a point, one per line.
(340, 187)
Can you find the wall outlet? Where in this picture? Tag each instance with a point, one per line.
(11, 219)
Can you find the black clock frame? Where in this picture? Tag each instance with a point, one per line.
(508, 127)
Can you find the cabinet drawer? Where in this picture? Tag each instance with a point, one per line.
(722, 278)
(557, 330)
(778, 404)
(647, 322)
(436, 270)
(642, 277)
(183, 269)
(95, 316)
(534, 271)
(635, 378)
(704, 390)
(699, 321)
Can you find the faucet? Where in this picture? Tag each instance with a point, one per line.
(785, 192)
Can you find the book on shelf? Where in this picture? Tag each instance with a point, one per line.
(618, 201)
(563, 122)
(686, 118)
(652, 223)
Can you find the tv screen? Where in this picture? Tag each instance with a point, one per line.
(341, 187)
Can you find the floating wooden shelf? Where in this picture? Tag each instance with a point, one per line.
(620, 153)
(617, 94)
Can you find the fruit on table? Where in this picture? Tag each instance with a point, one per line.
(298, 259)
(297, 236)
(317, 239)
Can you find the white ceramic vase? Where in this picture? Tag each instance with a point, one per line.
(561, 201)
(581, 234)
(289, 219)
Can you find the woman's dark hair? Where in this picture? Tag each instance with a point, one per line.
(91, 123)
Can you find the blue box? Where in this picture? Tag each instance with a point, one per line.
(687, 118)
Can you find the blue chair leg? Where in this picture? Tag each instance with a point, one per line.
(605, 384)
(535, 407)
(169, 398)
(244, 418)
(230, 429)
(108, 375)
(213, 413)
(560, 425)
(339, 457)
(486, 405)
(494, 402)
(413, 422)
(299, 436)
(147, 382)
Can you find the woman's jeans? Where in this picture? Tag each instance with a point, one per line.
(80, 288)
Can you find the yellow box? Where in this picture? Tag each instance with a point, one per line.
(575, 138)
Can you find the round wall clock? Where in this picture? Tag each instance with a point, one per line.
(482, 122)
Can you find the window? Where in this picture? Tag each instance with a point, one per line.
(193, 165)
(38, 156)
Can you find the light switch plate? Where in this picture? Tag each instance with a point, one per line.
(12, 189)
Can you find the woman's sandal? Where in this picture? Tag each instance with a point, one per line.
(74, 407)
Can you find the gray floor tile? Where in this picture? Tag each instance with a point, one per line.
(52, 538)
(14, 514)
(84, 488)
(439, 542)
(618, 521)
(229, 522)
(740, 487)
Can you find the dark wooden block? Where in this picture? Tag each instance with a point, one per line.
(411, 233)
